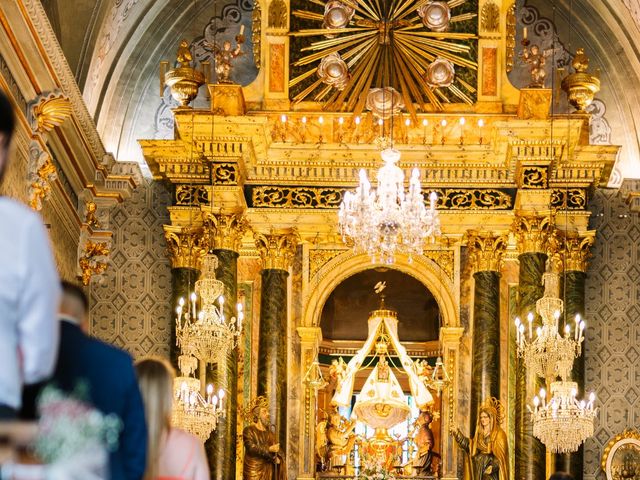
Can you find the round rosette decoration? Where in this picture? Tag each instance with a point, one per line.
(440, 73)
(337, 14)
(334, 71)
(435, 16)
(384, 102)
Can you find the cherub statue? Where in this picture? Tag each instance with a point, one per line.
(90, 215)
(340, 439)
(423, 369)
(184, 56)
(536, 59)
(338, 370)
(224, 56)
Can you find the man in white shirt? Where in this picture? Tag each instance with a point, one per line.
(29, 290)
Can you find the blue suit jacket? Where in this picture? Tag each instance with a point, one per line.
(112, 388)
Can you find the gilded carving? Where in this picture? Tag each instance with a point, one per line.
(42, 172)
(443, 258)
(534, 103)
(296, 197)
(185, 246)
(578, 251)
(511, 36)
(490, 17)
(277, 14)
(256, 33)
(276, 250)
(191, 195)
(90, 217)
(319, 257)
(224, 231)
(462, 199)
(49, 111)
(486, 250)
(532, 232)
(533, 177)
(224, 173)
(93, 260)
(571, 198)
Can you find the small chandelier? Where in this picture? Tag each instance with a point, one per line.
(207, 334)
(563, 422)
(439, 378)
(549, 355)
(313, 379)
(191, 411)
(387, 220)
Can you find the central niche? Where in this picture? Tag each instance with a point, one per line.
(345, 313)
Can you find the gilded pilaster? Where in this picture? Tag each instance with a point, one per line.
(532, 233)
(276, 251)
(310, 338)
(576, 251)
(485, 252)
(450, 341)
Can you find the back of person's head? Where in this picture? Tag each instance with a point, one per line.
(561, 476)
(74, 302)
(7, 125)
(155, 377)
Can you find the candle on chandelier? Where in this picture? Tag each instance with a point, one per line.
(518, 323)
(530, 319)
(567, 330)
(221, 396)
(209, 393)
(524, 33)
(193, 304)
(433, 198)
(577, 332)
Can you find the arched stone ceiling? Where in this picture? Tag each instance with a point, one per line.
(115, 46)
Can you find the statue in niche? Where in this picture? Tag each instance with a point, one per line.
(426, 461)
(487, 451)
(262, 457)
(383, 369)
(277, 14)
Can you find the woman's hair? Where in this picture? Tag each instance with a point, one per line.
(155, 376)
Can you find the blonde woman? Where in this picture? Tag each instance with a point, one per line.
(173, 454)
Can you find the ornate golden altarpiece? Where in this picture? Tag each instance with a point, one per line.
(258, 157)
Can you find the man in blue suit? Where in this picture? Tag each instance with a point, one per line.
(107, 376)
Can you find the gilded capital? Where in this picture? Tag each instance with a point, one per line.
(276, 250)
(532, 232)
(555, 257)
(185, 245)
(578, 251)
(225, 231)
(486, 250)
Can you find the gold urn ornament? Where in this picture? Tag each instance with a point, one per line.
(184, 80)
(580, 86)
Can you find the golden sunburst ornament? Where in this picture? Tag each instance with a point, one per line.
(415, 50)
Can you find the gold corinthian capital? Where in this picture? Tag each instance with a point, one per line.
(225, 231)
(276, 250)
(185, 245)
(486, 250)
(577, 249)
(532, 232)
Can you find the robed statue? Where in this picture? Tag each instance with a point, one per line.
(487, 451)
(262, 457)
(426, 461)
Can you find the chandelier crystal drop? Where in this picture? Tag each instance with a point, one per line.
(388, 219)
(206, 334)
(563, 422)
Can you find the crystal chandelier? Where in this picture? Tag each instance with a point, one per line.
(563, 422)
(207, 334)
(191, 411)
(549, 355)
(387, 220)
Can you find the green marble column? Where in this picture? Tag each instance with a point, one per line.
(182, 281)
(530, 453)
(485, 381)
(272, 349)
(574, 298)
(222, 444)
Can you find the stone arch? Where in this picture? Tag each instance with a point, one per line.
(423, 269)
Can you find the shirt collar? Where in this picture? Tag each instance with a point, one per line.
(70, 319)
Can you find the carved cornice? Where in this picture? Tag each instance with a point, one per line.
(225, 231)
(185, 246)
(532, 232)
(277, 250)
(486, 250)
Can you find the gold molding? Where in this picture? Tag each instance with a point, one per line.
(628, 436)
(486, 250)
(532, 232)
(277, 250)
(185, 246)
(225, 231)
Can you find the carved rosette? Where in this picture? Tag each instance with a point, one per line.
(532, 232)
(578, 251)
(225, 232)
(277, 250)
(185, 245)
(486, 250)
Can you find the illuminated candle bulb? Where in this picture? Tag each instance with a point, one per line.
(481, 123)
(462, 121)
(303, 120)
(592, 397)
(283, 118)
(221, 396)
(433, 197)
(193, 304)
(425, 122)
(543, 393)
(407, 122)
(209, 392)
(380, 122)
(179, 310)
(214, 400)
(357, 120)
(538, 331)
(443, 123)
(221, 300)
(536, 401)
(241, 29)
(320, 119)
(582, 404)
(340, 120)
(530, 319)
(518, 322)
(181, 302)
(524, 33)
(567, 330)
